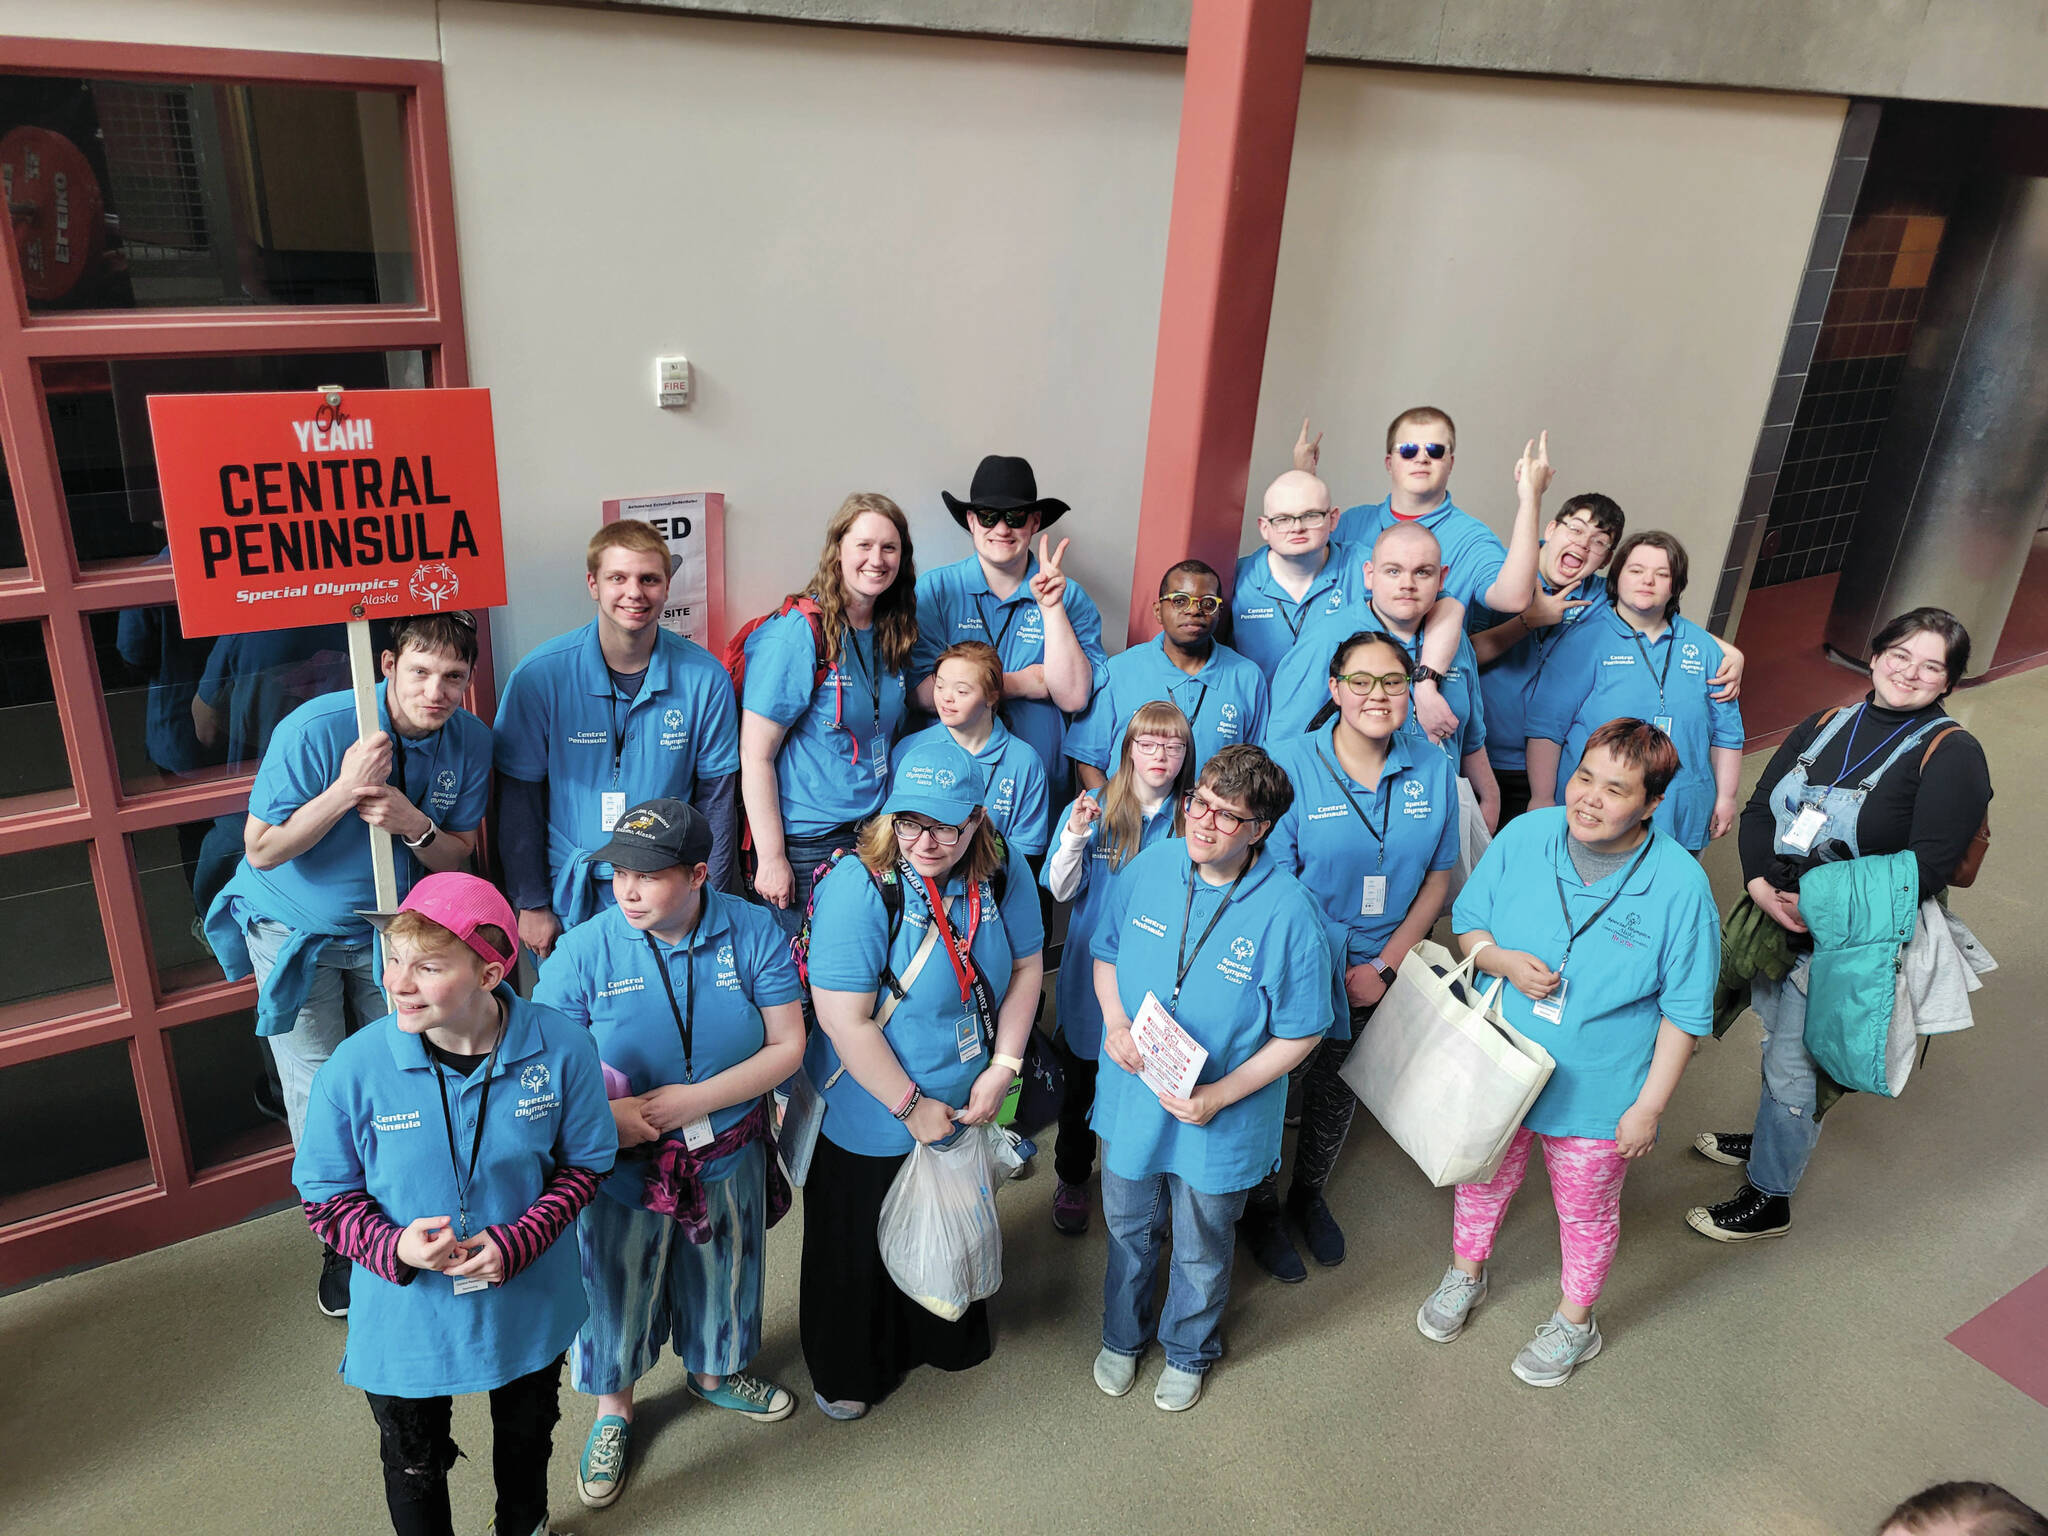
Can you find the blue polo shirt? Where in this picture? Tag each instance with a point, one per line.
(936, 1036)
(1472, 553)
(1504, 681)
(1604, 670)
(1080, 1013)
(1265, 621)
(1325, 842)
(1302, 686)
(447, 774)
(375, 1123)
(833, 768)
(735, 963)
(955, 603)
(562, 722)
(1225, 702)
(1018, 803)
(1655, 953)
(1265, 972)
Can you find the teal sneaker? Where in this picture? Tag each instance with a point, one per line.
(601, 1475)
(1559, 1348)
(748, 1396)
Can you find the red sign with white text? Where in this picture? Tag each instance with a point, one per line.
(282, 511)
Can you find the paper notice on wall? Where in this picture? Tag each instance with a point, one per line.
(690, 521)
(1170, 1058)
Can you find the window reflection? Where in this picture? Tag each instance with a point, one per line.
(70, 1132)
(49, 910)
(33, 768)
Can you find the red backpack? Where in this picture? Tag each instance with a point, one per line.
(735, 659)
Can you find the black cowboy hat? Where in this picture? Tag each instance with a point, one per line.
(1003, 484)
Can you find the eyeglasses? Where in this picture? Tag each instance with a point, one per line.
(1016, 517)
(909, 832)
(1152, 746)
(1410, 450)
(1226, 822)
(1287, 522)
(1392, 684)
(1586, 534)
(1185, 602)
(1906, 664)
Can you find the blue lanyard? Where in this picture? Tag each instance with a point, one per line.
(1848, 770)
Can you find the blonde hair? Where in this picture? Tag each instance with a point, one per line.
(895, 609)
(981, 657)
(1123, 820)
(627, 533)
(417, 931)
(1422, 416)
(879, 850)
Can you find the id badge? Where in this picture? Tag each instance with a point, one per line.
(878, 755)
(698, 1135)
(1805, 828)
(968, 1036)
(464, 1284)
(1662, 723)
(1551, 1008)
(1373, 901)
(611, 805)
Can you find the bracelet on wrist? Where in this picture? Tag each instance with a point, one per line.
(910, 1101)
(1014, 1063)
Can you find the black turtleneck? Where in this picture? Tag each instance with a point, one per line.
(1932, 814)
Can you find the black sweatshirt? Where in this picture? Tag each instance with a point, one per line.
(1934, 815)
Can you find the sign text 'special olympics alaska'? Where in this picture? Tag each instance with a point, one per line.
(282, 511)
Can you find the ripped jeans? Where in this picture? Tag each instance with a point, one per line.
(417, 1452)
(1785, 1128)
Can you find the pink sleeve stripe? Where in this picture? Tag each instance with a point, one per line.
(524, 1240)
(354, 1227)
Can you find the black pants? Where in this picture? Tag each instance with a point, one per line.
(1327, 1108)
(418, 1451)
(1073, 1154)
(1514, 793)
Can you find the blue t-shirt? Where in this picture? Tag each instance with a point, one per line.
(1264, 972)
(1017, 801)
(563, 721)
(833, 768)
(1472, 553)
(935, 1035)
(1080, 1012)
(447, 774)
(1504, 681)
(252, 681)
(1604, 670)
(375, 1123)
(1655, 953)
(1302, 686)
(1265, 621)
(1225, 703)
(1325, 842)
(955, 603)
(735, 963)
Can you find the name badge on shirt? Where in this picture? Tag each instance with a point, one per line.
(1662, 723)
(611, 805)
(968, 1036)
(1373, 901)
(697, 1135)
(878, 754)
(1551, 1008)
(1805, 828)
(464, 1284)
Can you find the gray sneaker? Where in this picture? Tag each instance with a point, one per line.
(1558, 1349)
(1114, 1373)
(1178, 1390)
(1442, 1317)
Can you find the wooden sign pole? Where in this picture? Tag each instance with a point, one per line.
(362, 667)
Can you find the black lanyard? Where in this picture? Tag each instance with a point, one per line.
(1580, 931)
(685, 1016)
(1200, 698)
(1379, 834)
(989, 629)
(483, 1106)
(1185, 960)
(874, 673)
(1671, 649)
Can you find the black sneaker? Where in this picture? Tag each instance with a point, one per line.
(1270, 1249)
(1748, 1214)
(1729, 1147)
(333, 1292)
(1325, 1238)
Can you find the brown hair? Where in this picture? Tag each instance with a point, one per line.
(1674, 552)
(1603, 512)
(627, 533)
(879, 850)
(416, 930)
(982, 658)
(1123, 823)
(1981, 1509)
(1422, 413)
(1640, 745)
(453, 632)
(1245, 774)
(895, 609)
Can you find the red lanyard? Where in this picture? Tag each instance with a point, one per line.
(956, 952)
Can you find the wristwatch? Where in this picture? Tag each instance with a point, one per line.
(1384, 971)
(426, 837)
(1428, 675)
(1014, 1063)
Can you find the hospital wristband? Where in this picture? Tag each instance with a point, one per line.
(910, 1100)
(1014, 1063)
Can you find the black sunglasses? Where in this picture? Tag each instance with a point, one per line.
(1410, 450)
(1016, 517)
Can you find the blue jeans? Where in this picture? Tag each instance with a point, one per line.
(344, 982)
(1785, 1128)
(805, 854)
(1140, 1215)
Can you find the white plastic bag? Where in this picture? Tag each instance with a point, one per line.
(938, 1231)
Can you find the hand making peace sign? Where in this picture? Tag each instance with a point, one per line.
(1049, 586)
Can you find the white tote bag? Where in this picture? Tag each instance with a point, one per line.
(1444, 1071)
(1473, 839)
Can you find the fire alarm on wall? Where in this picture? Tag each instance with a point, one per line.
(671, 381)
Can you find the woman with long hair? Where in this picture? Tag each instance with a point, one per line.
(1103, 831)
(822, 705)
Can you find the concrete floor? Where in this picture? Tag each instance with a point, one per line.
(1797, 1386)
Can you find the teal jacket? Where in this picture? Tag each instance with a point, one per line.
(1861, 913)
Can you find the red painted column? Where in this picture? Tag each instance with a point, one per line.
(1229, 192)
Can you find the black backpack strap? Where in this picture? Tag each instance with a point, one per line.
(891, 892)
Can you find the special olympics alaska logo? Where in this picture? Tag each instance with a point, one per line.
(673, 719)
(434, 583)
(1242, 949)
(1413, 790)
(534, 1078)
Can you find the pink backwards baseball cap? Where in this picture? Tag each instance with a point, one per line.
(461, 904)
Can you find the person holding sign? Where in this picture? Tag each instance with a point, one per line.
(695, 1004)
(1372, 833)
(818, 718)
(966, 688)
(953, 957)
(604, 717)
(447, 1147)
(1606, 933)
(291, 913)
(1214, 975)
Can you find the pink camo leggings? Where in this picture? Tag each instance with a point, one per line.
(1585, 1180)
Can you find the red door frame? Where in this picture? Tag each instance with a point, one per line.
(179, 1201)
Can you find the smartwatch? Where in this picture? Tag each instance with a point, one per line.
(1384, 971)
(426, 837)
(1428, 675)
